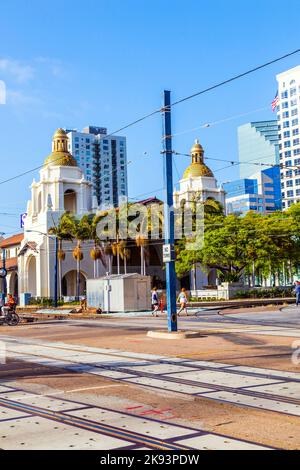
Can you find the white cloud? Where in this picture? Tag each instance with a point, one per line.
(56, 67)
(2, 92)
(19, 98)
(15, 69)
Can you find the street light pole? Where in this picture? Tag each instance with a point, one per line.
(169, 213)
(4, 283)
(55, 272)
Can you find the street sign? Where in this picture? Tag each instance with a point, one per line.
(167, 253)
(22, 219)
(3, 273)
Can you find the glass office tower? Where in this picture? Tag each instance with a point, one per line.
(257, 142)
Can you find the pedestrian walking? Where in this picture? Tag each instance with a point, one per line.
(182, 299)
(154, 301)
(162, 303)
(297, 291)
(83, 303)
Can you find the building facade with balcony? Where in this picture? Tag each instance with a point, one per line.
(103, 160)
(288, 115)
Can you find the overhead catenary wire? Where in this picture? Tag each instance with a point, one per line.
(175, 103)
(236, 77)
(189, 97)
(220, 121)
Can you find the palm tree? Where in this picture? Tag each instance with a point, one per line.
(126, 257)
(108, 253)
(97, 252)
(213, 207)
(141, 242)
(80, 230)
(117, 248)
(62, 232)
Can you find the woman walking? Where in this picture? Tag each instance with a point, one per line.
(155, 302)
(182, 299)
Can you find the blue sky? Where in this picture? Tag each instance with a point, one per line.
(70, 64)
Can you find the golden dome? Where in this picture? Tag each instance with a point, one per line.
(197, 167)
(59, 133)
(197, 148)
(60, 155)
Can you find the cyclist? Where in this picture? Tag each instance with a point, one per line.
(9, 306)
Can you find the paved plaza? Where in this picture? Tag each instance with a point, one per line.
(103, 384)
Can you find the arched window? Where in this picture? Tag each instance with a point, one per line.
(70, 201)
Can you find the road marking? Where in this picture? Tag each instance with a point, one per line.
(87, 424)
(199, 377)
(104, 422)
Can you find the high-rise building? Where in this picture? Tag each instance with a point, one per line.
(288, 110)
(258, 142)
(103, 159)
(260, 193)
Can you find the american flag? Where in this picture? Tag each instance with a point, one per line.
(275, 102)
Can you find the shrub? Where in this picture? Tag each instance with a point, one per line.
(44, 301)
(267, 293)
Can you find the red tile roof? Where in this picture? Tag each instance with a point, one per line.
(11, 264)
(14, 240)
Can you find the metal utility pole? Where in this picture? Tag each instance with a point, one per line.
(55, 273)
(3, 275)
(169, 252)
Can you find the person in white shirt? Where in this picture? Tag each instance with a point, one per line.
(182, 299)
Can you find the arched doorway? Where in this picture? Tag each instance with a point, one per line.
(69, 284)
(13, 284)
(70, 201)
(31, 276)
